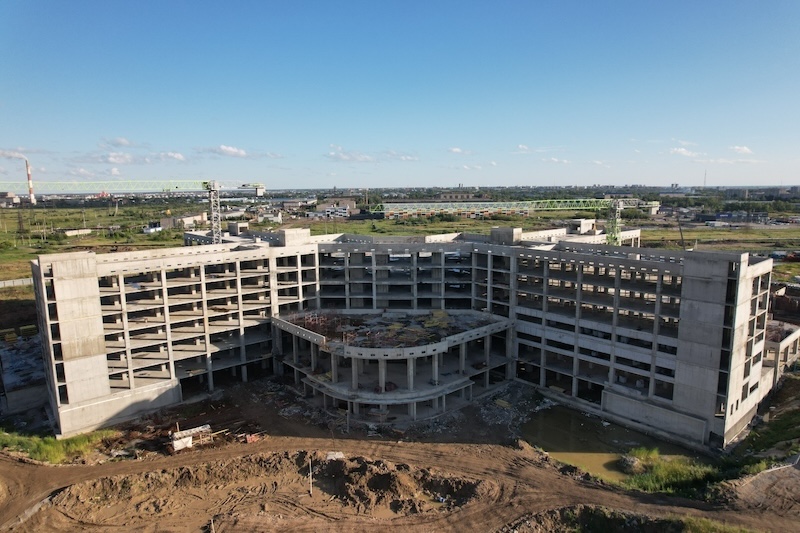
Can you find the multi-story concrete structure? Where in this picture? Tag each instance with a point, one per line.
(670, 341)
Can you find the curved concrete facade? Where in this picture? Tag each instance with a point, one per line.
(382, 383)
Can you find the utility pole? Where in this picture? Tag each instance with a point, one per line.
(310, 478)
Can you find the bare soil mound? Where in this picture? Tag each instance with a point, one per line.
(271, 485)
(591, 518)
(776, 491)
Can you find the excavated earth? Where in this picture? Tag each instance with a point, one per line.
(469, 479)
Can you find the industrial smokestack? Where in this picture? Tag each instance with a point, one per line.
(30, 183)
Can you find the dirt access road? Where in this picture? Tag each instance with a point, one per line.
(518, 480)
(468, 483)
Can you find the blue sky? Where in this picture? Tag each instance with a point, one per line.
(305, 94)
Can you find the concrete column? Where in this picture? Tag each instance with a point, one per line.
(207, 334)
(295, 359)
(487, 347)
(435, 369)
(462, 358)
(374, 283)
(277, 341)
(414, 291)
(355, 408)
(382, 374)
(210, 374)
(410, 364)
(487, 351)
(167, 323)
(354, 373)
(125, 332)
(512, 354)
(240, 318)
(334, 368)
(612, 374)
(444, 403)
(313, 357)
(412, 410)
(542, 373)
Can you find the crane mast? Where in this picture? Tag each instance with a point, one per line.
(215, 211)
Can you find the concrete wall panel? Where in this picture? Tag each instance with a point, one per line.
(655, 416)
(87, 378)
(76, 419)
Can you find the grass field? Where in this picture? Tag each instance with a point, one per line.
(17, 251)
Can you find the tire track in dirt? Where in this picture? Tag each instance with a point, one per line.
(523, 482)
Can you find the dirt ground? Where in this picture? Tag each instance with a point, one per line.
(465, 472)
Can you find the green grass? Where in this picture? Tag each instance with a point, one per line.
(50, 450)
(682, 476)
(782, 428)
(646, 455)
(785, 271)
(675, 475)
(746, 238)
(704, 525)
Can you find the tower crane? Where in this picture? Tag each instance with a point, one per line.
(126, 186)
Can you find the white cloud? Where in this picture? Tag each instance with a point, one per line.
(525, 149)
(172, 155)
(556, 160)
(470, 167)
(223, 149)
(120, 141)
(601, 163)
(455, 150)
(723, 161)
(493, 163)
(114, 171)
(116, 143)
(741, 150)
(400, 156)
(12, 154)
(119, 158)
(685, 143)
(231, 151)
(82, 172)
(337, 153)
(683, 151)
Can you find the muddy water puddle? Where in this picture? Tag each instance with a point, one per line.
(588, 442)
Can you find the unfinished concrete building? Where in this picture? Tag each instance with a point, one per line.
(672, 342)
(396, 365)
